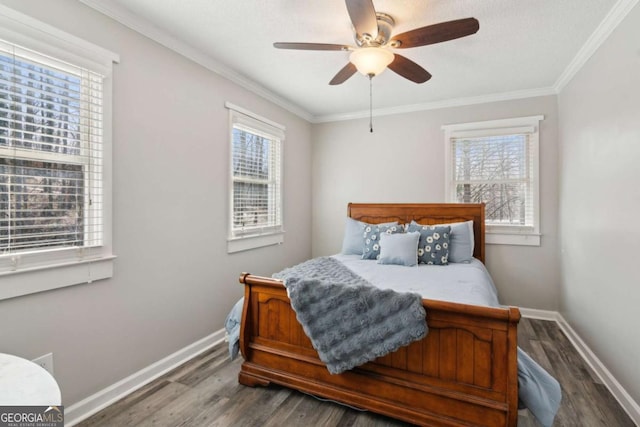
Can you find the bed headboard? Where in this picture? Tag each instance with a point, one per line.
(424, 213)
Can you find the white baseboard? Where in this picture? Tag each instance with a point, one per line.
(619, 393)
(534, 313)
(85, 408)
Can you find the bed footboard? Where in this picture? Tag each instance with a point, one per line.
(463, 373)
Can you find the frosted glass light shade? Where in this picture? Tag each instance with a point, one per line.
(371, 60)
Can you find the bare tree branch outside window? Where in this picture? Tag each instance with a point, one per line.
(495, 170)
(256, 183)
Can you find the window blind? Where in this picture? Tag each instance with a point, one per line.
(497, 170)
(51, 131)
(256, 149)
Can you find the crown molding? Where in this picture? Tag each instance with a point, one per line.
(615, 16)
(144, 27)
(448, 103)
(122, 15)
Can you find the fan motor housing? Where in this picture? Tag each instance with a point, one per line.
(385, 26)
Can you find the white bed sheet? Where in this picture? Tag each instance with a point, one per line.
(457, 282)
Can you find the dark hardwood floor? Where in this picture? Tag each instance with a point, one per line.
(205, 392)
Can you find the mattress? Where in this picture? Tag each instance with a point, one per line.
(464, 283)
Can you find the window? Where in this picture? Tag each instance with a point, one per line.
(54, 157)
(256, 181)
(496, 163)
(50, 154)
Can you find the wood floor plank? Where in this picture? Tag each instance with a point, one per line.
(175, 413)
(126, 405)
(285, 410)
(232, 414)
(161, 398)
(218, 352)
(539, 330)
(205, 392)
(525, 330)
(615, 416)
(204, 370)
(557, 336)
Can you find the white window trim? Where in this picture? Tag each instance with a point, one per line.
(38, 271)
(267, 237)
(496, 234)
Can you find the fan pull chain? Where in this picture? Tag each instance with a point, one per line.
(371, 103)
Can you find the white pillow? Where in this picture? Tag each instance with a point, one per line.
(399, 248)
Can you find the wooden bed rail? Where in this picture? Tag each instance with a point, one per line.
(511, 313)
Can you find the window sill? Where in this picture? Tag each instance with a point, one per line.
(44, 278)
(240, 244)
(519, 239)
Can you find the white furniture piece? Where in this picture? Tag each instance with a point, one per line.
(24, 383)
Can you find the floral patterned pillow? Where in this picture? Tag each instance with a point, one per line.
(433, 246)
(371, 237)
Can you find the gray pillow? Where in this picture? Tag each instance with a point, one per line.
(352, 242)
(399, 248)
(371, 237)
(461, 241)
(433, 247)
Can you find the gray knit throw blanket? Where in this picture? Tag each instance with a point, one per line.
(349, 321)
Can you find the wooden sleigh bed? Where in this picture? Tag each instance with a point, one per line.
(463, 373)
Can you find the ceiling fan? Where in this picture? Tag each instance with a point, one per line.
(374, 41)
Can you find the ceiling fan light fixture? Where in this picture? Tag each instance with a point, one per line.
(371, 60)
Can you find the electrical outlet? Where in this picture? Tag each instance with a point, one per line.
(46, 362)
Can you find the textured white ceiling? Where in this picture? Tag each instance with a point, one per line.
(521, 46)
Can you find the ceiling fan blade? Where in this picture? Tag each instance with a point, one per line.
(342, 76)
(363, 17)
(311, 46)
(438, 33)
(409, 69)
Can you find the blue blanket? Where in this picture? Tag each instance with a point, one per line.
(358, 322)
(537, 390)
(232, 328)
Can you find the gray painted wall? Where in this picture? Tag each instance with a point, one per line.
(600, 202)
(403, 161)
(174, 282)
